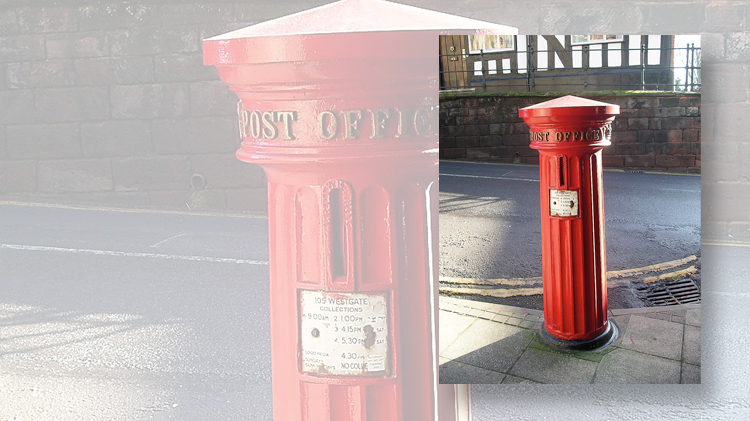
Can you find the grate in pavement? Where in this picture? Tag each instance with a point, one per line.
(673, 293)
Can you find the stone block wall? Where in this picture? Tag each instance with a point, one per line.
(110, 103)
(653, 131)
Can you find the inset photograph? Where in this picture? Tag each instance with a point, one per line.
(570, 209)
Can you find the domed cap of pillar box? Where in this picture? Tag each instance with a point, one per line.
(570, 122)
(567, 109)
(334, 30)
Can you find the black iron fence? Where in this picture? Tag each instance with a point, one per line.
(679, 72)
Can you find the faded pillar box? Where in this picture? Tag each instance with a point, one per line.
(338, 104)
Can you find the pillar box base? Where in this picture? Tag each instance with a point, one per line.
(596, 344)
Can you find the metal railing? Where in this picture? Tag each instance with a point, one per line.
(682, 73)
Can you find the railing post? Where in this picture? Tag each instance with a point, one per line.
(532, 66)
(643, 67)
(692, 65)
(484, 79)
(585, 67)
(687, 66)
(528, 64)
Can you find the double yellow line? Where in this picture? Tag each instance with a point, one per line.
(494, 287)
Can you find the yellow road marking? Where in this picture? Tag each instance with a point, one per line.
(489, 287)
(497, 293)
(651, 268)
(680, 273)
(491, 282)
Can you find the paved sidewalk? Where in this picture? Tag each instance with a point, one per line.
(491, 343)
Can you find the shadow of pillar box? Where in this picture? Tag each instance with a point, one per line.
(569, 133)
(338, 104)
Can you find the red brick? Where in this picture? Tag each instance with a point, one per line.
(613, 161)
(638, 124)
(467, 141)
(626, 113)
(679, 148)
(471, 130)
(674, 135)
(456, 130)
(491, 140)
(520, 128)
(620, 125)
(625, 137)
(532, 160)
(452, 153)
(645, 136)
(691, 135)
(638, 161)
(501, 151)
(448, 142)
(668, 161)
(676, 123)
(631, 149)
(516, 139)
(525, 151)
(478, 153)
(686, 160)
(657, 148)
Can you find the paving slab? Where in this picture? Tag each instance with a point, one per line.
(455, 372)
(553, 367)
(653, 336)
(626, 366)
(502, 344)
(517, 380)
(489, 345)
(451, 326)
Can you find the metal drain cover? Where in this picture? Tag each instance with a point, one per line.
(673, 293)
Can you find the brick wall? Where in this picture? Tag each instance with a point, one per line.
(653, 130)
(110, 103)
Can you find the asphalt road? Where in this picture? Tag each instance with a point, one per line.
(490, 221)
(112, 315)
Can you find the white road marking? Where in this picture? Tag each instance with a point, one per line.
(488, 177)
(167, 239)
(726, 243)
(132, 254)
(728, 294)
(684, 191)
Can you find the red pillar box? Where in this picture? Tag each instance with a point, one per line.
(569, 133)
(338, 105)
